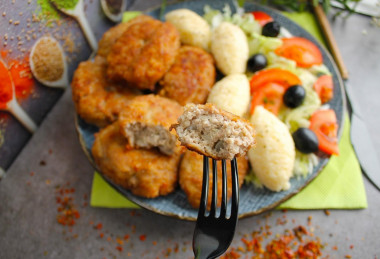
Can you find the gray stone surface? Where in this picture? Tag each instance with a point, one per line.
(28, 208)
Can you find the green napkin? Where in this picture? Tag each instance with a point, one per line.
(338, 186)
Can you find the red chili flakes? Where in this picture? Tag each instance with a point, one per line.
(311, 249)
(99, 226)
(154, 243)
(280, 248)
(281, 221)
(142, 237)
(231, 254)
(67, 212)
(309, 220)
(176, 248)
(31, 173)
(101, 235)
(299, 232)
(119, 248)
(126, 237)
(119, 241)
(351, 246)
(347, 256)
(335, 248)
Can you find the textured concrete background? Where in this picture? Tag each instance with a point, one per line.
(53, 158)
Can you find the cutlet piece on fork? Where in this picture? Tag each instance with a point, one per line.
(219, 135)
(214, 132)
(213, 234)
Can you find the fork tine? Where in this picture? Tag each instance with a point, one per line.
(203, 203)
(223, 207)
(214, 197)
(235, 189)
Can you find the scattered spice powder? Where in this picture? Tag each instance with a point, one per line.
(65, 4)
(99, 226)
(48, 11)
(22, 78)
(47, 59)
(297, 243)
(6, 89)
(67, 212)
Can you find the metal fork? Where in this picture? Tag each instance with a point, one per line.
(213, 234)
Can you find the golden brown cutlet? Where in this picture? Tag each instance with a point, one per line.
(145, 172)
(190, 78)
(143, 53)
(96, 100)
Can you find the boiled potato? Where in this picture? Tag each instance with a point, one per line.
(193, 29)
(272, 160)
(231, 94)
(230, 48)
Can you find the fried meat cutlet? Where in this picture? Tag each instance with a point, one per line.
(110, 36)
(146, 173)
(191, 176)
(143, 53)
(146, 122)
(214, 132)
(96, 100)
(190, 78)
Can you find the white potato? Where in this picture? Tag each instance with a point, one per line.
(231, 94)
(193, 29)
(230, 48)
(272, 160)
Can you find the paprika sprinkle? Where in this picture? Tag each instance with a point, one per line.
(6, 89)
(22, 78)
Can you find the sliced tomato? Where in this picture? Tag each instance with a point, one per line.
(273, 75)
(261, 17)
(304, 52)
(324, 86)
(269, 96)
(325, 126)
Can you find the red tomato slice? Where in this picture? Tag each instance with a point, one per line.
(262, 17)
(304, 52)
(273, 75)
(325, 126)
(324, 87)
(269, 96)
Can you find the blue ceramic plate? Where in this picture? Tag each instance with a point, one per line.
(253, 200)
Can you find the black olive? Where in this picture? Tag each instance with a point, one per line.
(257, 62)
(271, 29)
(305, 140)
(294, 96)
